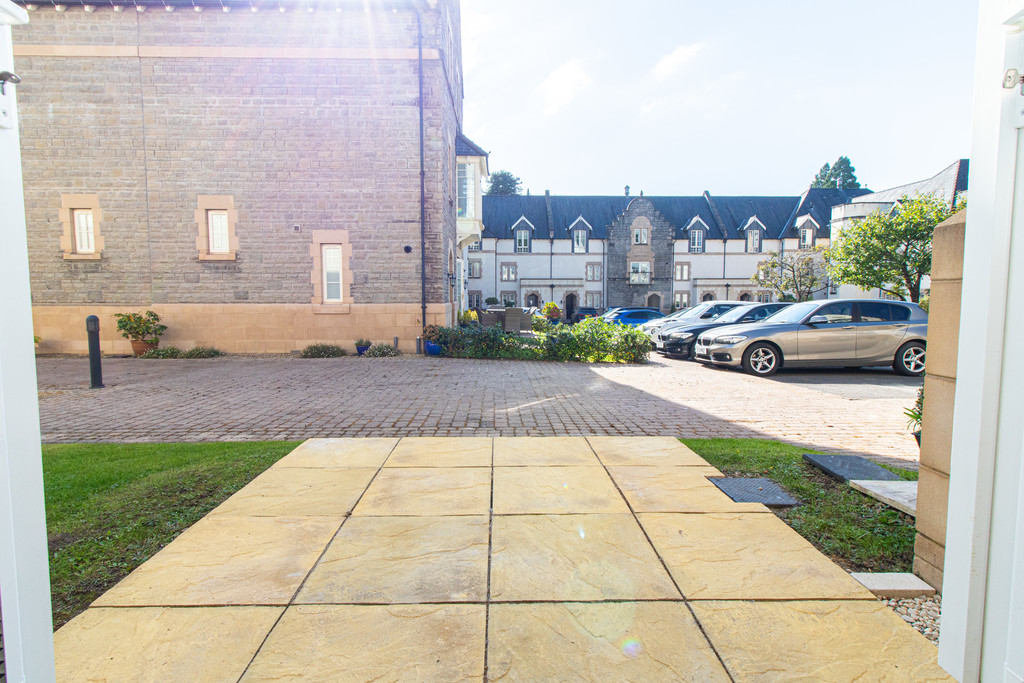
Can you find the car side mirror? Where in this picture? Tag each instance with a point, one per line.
(818, 320)
(707, 315)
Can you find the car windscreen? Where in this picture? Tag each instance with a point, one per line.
(694, 312)
(794, 313)
(733, 315)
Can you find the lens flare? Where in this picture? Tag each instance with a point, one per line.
(631, 647)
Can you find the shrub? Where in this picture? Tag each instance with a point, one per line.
(144, 327)
(468, 318)
(322, 351)
(924, 301)
(630, 345)
(202, 352)
(164, 352)
(364, 342)
(382, 351)
(491, 301)
(430, 333)
(540, 325)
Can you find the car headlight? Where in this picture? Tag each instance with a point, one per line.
(681, 335)
(731, 339)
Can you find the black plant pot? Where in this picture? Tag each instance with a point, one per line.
(917, 435)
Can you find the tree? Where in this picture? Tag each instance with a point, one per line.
(793, 277)
(890, 250)
(840, 174)
(503, 183)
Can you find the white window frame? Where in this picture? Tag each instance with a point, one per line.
(593, 272)
(218, 231)
(639, 235)
(84, 227)
(579, 241)
(696, 241)
(522, 241)
(806, 238)
(764, 297)
(475, 246)
(508, 272)
(592, 299)
(753, 241)
(640, 273)
(329, 269)
(476, 269)
(465, 191)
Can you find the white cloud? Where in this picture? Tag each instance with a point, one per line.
(563, 85)
(676, 60)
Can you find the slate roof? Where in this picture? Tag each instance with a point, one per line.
(464, 147)
(952, 179)
(557, 213)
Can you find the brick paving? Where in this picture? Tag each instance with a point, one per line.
(277, 398)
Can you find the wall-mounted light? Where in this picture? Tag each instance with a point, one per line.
(140, 8)
(31, 6)
(118, 8)
(60, 8)
(451, 279)
(89, 8)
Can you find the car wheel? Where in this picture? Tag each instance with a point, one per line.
(762, 359)
(909, 359)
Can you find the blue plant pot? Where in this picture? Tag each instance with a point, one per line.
(433, 348)
(361, 349)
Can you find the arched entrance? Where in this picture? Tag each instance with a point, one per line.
(745, 297)
(708, 297)
(532, 300)
(571, 304)
(654, 301)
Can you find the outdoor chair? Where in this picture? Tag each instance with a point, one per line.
(512, 318)
(488, 319)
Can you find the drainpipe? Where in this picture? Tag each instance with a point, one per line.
(423, 183)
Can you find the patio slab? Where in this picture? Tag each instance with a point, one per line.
(858, 640)
(575, 557)
(745, 557)
(630, 641)
(654, 450)
(402, 560)
(901, 495)
(554, 490)
(374, 642)
(519, 451)
(437, 451)
(524, 571)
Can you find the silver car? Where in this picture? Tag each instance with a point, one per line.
(834, 332)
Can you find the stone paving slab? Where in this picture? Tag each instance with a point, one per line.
(291, 492)
(425, 581)
(676, 489)
(901, 495)
(244, 399)
(847, 467)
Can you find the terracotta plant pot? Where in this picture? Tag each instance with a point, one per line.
(140, 347)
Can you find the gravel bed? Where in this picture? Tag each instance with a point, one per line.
(921, 613)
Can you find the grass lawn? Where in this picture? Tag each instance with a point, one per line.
(857, 532)
(110, 507)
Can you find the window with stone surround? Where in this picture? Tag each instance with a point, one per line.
(681, 299)
(640, 273)
(476, 299)
(764, 297)
(592, 299)
(682, 271)
(508, 298)
(639, 235)
(81, 218)
(593, 272)
(508, 272)
(331, 276)
(215, 220)
(476, 269)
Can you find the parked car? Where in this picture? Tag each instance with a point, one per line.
(632, 316)
(678, 338)
(652, 325)
(585, 312)
(844, 332)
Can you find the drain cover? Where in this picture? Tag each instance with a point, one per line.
(747, 490)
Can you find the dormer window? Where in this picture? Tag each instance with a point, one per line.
(522, 241)
(696, 241)
(753, 241)
(806, 238)
(475, 246)
(466, 186)
(579, 241)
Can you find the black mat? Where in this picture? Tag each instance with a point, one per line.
(747, 490)
(847, 467)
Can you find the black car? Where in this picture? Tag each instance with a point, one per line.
(584, 312)
(678, 340)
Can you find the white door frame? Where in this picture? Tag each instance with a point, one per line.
(24, 570)
(983, 583)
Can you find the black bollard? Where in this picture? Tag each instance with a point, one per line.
(92, 326)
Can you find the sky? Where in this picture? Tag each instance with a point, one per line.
(675, 97)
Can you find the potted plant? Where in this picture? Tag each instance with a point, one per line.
(431, 333)
(551, 311)
(914, 414)
(362, 345)
(491, 301)
(143, 330)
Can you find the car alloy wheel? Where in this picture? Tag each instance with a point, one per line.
(761, 359)
(910, 359)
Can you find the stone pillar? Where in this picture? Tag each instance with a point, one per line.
(939, 389)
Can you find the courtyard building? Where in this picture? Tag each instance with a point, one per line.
(263, 175)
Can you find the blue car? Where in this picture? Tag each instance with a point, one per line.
(632, 316)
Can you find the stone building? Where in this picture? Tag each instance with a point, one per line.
(249, 170)
(638, 251)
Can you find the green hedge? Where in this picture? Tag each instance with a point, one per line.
(590, 341)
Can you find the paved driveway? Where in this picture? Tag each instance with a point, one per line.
(244, 398)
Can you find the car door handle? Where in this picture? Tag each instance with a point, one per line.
(900, 325)
(848, 327)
